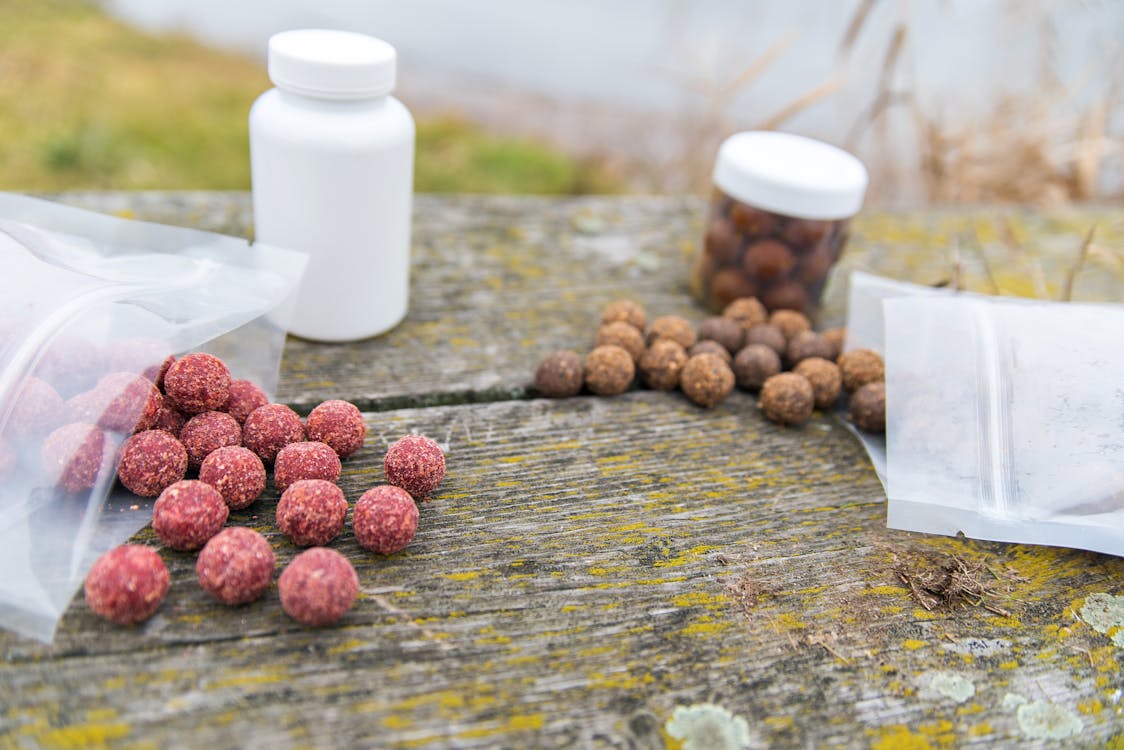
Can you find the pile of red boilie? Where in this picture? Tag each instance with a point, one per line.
(188, 417)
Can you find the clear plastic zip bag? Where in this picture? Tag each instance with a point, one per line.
(866, 330)
(1005, 419)
(92, 306)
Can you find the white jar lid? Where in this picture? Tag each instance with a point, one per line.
(790, 175)
(331, 64)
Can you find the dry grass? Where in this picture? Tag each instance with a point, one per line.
(1055, 160)
(946, 583)
(1045, 148)
(862, 609)
(702, 131)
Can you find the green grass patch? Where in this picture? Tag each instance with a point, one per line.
(87, 102)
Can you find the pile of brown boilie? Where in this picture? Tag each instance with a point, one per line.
(794, 368)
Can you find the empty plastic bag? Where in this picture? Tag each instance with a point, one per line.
(1005, 419)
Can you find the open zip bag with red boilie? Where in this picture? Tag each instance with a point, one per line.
(93, 307)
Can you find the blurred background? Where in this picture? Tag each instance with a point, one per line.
(947, 101)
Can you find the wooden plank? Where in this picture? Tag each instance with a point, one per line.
(498, 282)
(592, 565)
(588, 567)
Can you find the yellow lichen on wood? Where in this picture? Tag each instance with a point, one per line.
(91, 735)
(899, 737)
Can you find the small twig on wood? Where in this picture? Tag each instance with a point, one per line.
(996, 610)
(923, 599)
(821, 639)
(1071, 277)
(948, 581)
(1087, 653)
(405, 617)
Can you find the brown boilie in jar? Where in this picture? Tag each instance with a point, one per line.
(626, 310)
(721, 242)
(608, 370)
(807, 234)
(859, 367)
(787, 295)
(706, 379)
(622, 334)
(728, 285)
(824, 376)
(768, 259)
(748, 251)
(868, 407)
(661, 365)
(816, 265)
(776, 244)
(750, 221)
(787, 398)
(673, 327)
(755, 364)
(559, 375)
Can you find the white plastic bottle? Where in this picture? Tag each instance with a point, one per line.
(332, 164)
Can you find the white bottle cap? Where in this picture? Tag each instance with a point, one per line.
(331, 64)
(790, 175)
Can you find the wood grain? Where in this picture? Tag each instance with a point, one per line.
(590, 565)
(498, 282)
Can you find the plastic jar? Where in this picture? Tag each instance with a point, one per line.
(778, 220)
(332, 164)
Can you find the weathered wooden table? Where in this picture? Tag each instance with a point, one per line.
(606, 572)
